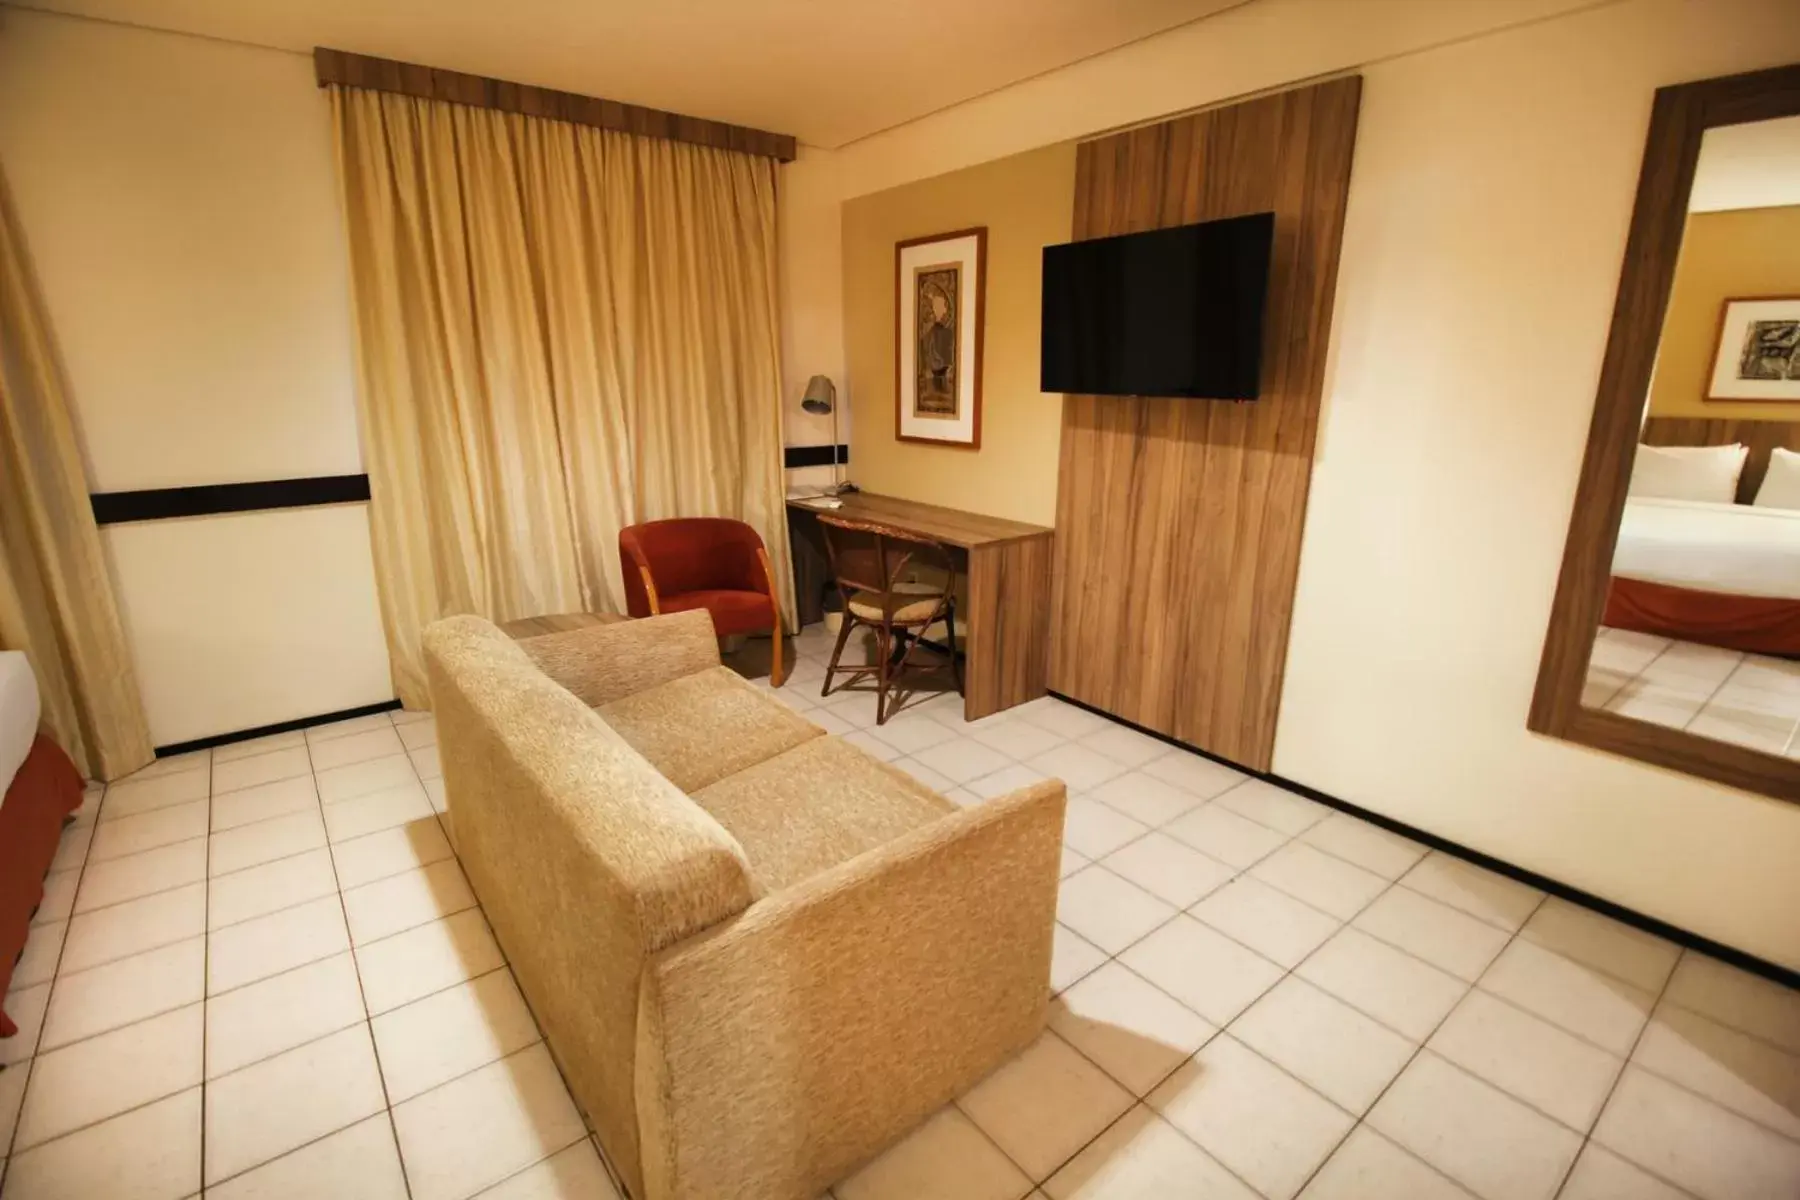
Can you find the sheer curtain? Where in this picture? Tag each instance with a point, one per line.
(561, 331)
(56, 598)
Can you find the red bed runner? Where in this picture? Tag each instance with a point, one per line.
(46, 789)
(1758, 624)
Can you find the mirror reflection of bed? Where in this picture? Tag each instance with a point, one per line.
(1701, 626)
(1701, 629)
(1702, 623)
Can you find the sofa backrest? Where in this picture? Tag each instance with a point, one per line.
(586, 860)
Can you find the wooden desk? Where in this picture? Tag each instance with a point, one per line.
(1006, 628)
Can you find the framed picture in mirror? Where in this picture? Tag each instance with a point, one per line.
(1674, 637)
(1758, 356)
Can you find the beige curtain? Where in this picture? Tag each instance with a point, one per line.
(561, 331)
(56, 601)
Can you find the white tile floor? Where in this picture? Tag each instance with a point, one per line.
(1746, 699)
(260, 972)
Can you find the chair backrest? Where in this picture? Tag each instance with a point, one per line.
(688, 554)
(867, 556)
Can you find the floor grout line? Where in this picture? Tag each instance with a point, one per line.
(1224, 1028)
(29, 1063)
(1136, 1099)
(1512, 934)
(123, 1112)
(587, 1135)
(205, 967)
(362, 994)
(1341, 922)
(1497, 998)
(1749, 1034)
(253, 866)
(1587, 1135)
(1705, 704)
(207, 1081)
(31, 1060)
(1418, 1050)
(205, 998)
(224, 1179)
(1469, 986)
(207, 882)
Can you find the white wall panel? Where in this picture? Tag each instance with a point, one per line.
(1489, 201)
(248, 619)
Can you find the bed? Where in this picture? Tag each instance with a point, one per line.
(1709, 571)
(39, 788)
(1723, 574)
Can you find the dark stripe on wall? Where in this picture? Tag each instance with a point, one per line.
(245, 735)
(813, 456)
(1618, 912)
(160, 504)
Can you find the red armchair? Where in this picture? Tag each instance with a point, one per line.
(704, 562)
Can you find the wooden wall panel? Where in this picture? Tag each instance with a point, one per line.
(1760, 436)
(1178, 521)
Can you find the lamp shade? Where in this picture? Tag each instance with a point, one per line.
(820, 396)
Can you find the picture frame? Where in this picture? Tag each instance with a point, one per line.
(1756, 357)
(940, 303)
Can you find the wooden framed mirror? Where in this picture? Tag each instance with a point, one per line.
(1675, 633)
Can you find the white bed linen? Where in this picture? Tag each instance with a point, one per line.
(1737, 549)
(18, 715)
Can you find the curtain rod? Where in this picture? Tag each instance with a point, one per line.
(478, 91)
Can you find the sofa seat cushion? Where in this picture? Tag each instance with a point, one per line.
(702, 727)
(817, 805)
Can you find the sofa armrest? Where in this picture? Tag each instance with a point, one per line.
(603, 663)
(784, 1047)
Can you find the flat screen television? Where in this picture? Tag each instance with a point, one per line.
(1169, 312)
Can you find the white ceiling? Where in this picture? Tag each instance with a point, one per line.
(1748, 166)
(827, 71)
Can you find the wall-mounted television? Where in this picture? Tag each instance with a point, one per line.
(1169, 312)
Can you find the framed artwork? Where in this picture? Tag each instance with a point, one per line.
(1758, 356)
(940, 285)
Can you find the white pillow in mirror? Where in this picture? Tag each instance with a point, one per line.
(1688, 472)
(1780, 488)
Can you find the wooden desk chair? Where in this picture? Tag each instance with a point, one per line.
(870, 563)
(704, 562)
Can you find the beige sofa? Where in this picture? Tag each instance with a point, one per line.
(759, 955)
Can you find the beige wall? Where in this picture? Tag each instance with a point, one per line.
(1025, 201)
(1256, 46)
(1744, 252)
(1492, 187)
(1470, 324)
(811, 307)
(178, 200)
(250, 619)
